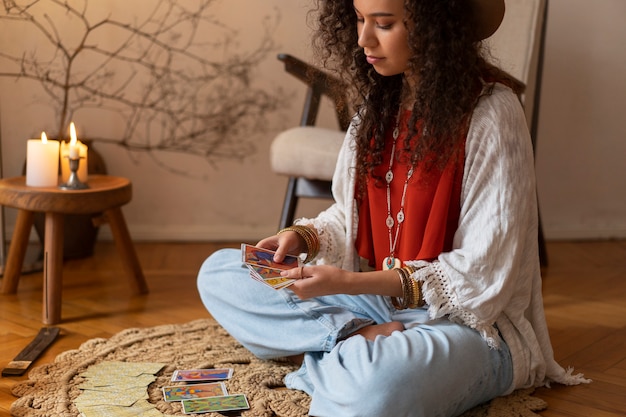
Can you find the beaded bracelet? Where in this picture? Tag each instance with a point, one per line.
(309, 236)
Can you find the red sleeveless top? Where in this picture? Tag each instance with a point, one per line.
(431, 209)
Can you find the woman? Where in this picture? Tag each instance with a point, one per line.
(421, 295)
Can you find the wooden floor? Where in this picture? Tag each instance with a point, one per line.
(584, 291)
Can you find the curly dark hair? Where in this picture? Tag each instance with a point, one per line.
(449, 68)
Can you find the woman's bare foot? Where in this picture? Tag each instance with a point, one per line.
(369, 332)
(296, 359)
(384, 329)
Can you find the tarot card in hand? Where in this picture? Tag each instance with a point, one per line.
(214, 404)
(263, 268)
(194, 391)
(201, 375)
(269, 276)
(253, 255)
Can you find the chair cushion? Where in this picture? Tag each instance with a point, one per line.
(306, 151)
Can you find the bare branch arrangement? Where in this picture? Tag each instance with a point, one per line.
(173, 78)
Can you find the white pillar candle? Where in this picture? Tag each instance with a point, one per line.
(73, 149)
(42, 162)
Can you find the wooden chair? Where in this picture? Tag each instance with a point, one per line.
(307, 154)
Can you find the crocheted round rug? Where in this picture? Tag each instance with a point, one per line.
(51, 388)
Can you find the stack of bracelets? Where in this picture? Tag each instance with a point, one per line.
(309, 235)
(411, 290)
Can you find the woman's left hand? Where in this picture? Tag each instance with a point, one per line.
(318, 280)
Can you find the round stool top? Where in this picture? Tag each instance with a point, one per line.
(104, 192)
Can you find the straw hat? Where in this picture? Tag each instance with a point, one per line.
(488, 15)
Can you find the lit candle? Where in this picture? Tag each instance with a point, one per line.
(42, 162)
(74, 149)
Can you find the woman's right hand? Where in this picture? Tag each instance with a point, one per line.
(285, 243)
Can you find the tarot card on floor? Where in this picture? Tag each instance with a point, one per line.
(194, 391)
(201, 375)
(214, 404)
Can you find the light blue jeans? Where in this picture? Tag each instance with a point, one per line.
(433, 368)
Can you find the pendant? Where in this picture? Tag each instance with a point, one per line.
(389, 222)
(400, 216)
(390, 263)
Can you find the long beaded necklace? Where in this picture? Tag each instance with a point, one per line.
(391, 261)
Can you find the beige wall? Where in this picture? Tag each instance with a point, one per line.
(580, 156)
(582, 134)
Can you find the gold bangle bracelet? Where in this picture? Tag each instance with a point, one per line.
(415, 296)
(417, 284)
(412, 296)
(310, 238)
(413, 302)
(407, 290)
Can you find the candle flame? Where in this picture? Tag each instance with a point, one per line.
(44, 138)
(72, 134)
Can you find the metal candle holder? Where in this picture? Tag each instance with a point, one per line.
(73, 183)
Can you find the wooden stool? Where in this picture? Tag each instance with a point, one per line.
(105, 194)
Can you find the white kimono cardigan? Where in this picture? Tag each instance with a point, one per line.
(491, 279)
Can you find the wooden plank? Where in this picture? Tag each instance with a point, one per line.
(20, 364)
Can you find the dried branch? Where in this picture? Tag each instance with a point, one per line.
(170, 89)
